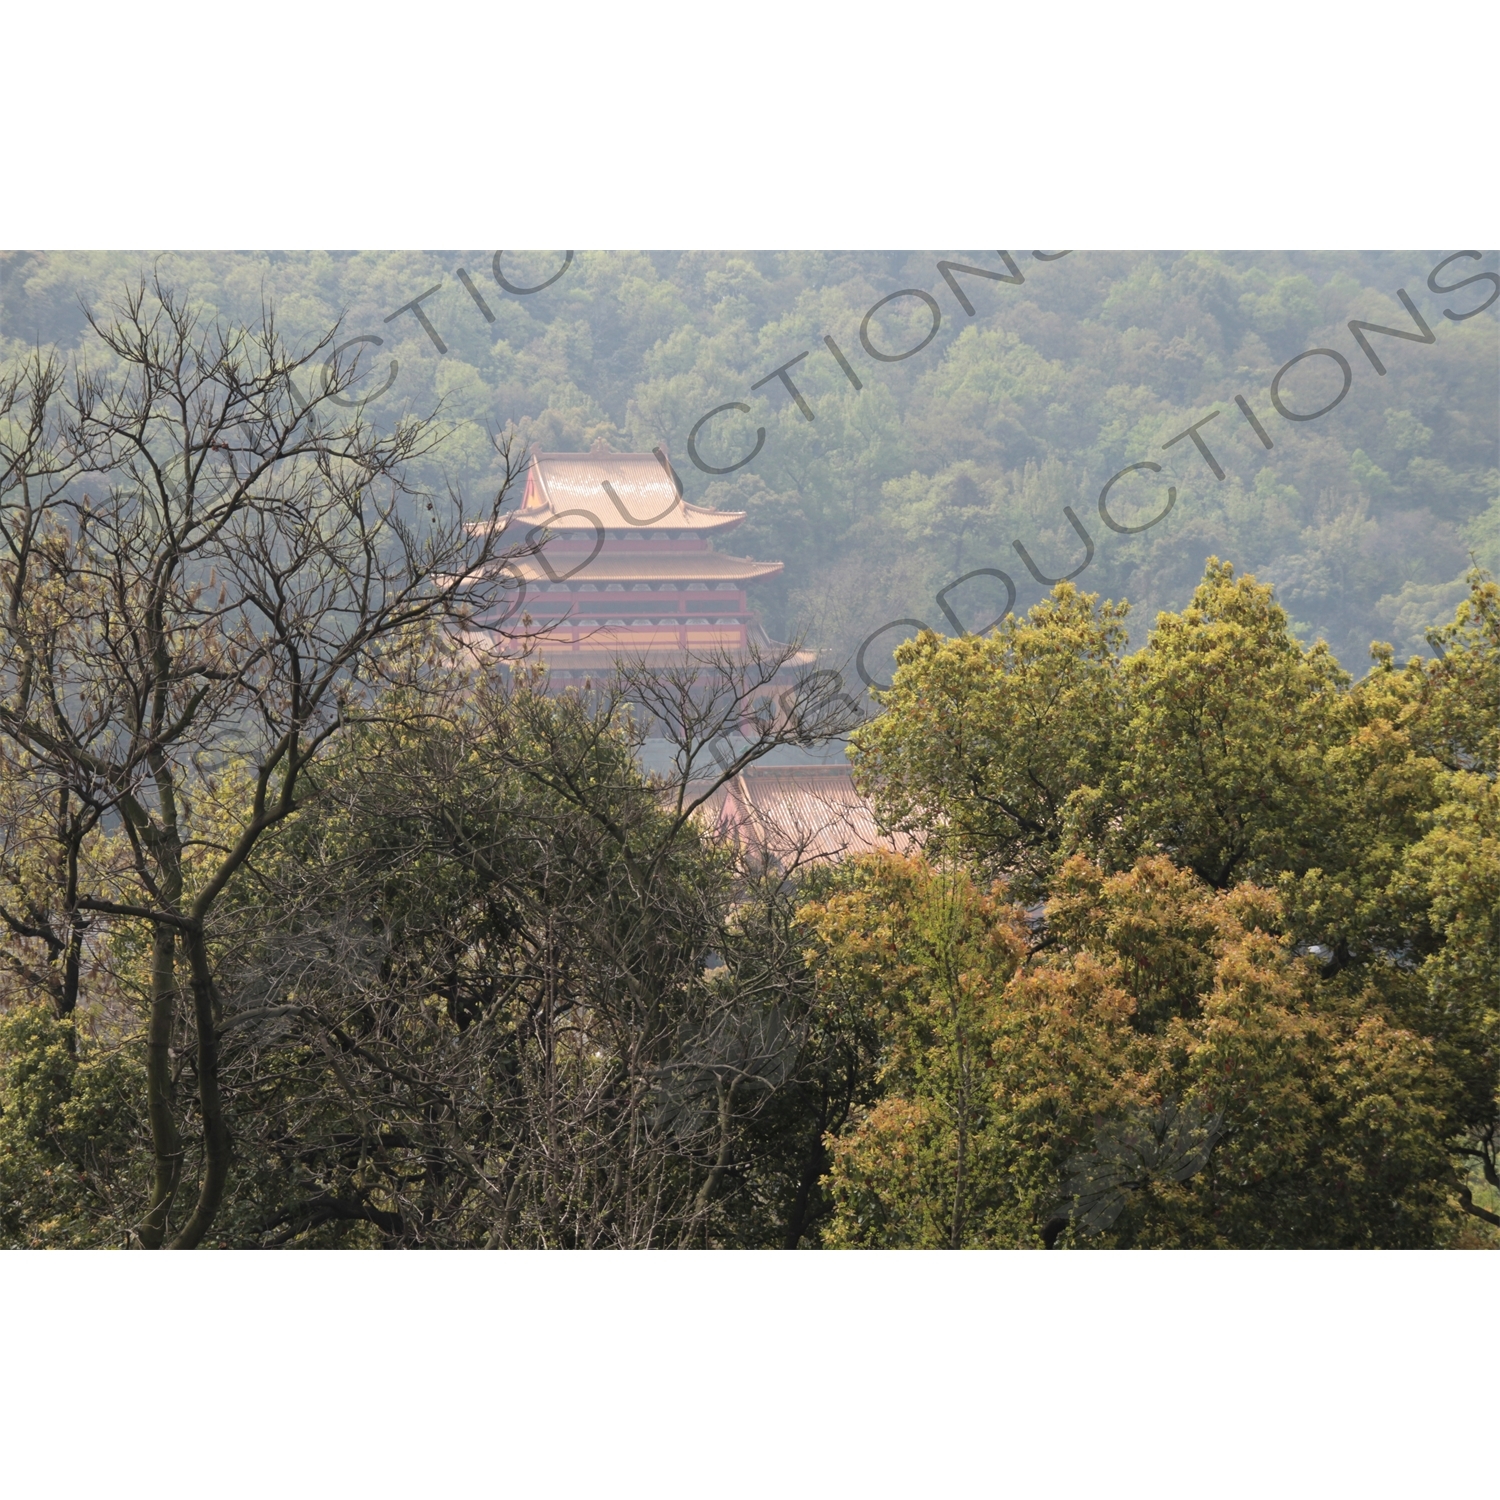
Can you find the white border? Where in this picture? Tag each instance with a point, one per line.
(836, 1374)
(767, 124)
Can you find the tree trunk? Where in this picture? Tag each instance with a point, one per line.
(72, 833)
(813, 1167)
(72, 963)
(956, 1229)
(166, 1144)
(1466, 1199)
(216, 1141)
(716, 1172)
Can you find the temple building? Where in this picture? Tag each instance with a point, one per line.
(631, 568)
(795, 815)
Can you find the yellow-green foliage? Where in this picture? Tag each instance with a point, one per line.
(1157, 988)
(73, 1154)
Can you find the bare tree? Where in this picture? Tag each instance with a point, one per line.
(249, 566)
(488, 1007)
(45, 821)
(695, 1053)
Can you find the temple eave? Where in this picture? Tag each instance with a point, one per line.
(714, 567)
(583, 517)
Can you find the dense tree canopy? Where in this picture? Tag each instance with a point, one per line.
(1242, 864)
(1165, 1073)
(1364, 518)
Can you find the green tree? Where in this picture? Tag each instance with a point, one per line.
(74, 1142)
(198, 566)
(985, 742)
(924, 953)
(1223, 747)
(1164, 1071)
(1232, 750)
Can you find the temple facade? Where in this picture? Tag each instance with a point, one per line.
(631, 568)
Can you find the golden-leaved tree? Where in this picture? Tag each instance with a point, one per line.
(1165, 1071)
(1310, 871)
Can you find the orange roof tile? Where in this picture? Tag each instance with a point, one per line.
(800, 814)
(644, 499)
(604, 647)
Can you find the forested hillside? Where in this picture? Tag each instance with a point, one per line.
(1034, 377)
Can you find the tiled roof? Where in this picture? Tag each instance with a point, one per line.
(799, 814)
(605, 646)
(648, 499)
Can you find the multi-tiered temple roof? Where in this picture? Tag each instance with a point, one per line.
(630, 569)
